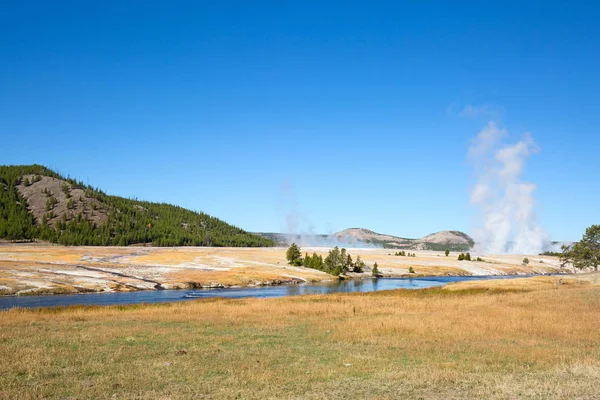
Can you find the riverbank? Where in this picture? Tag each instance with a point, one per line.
(535, 339)
(34, 269)
(161, 296)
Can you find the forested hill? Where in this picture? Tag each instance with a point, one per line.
(38, 203)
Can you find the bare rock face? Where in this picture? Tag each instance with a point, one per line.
(55, 197)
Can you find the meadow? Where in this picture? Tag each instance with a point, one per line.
(527, 338)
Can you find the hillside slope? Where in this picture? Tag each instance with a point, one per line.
(38, 203)
(361, 237)
(453, 240)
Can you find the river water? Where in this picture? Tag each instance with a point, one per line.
(161, 296)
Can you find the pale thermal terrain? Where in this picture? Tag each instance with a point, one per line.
(37, 268)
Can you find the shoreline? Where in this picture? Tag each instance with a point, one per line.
(30, 270)
(269, 284)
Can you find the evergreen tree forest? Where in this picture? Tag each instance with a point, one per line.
(127, 221)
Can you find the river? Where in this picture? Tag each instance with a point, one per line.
(161, 296)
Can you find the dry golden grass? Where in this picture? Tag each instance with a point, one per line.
(435, 270)
(498, 343)
(243, 276)
(533, 283)
(29, 267)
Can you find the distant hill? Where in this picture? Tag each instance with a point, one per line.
(38, 203)
(453, 240)
(360, 237)
(285, 239)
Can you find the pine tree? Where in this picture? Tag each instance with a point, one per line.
(343, 260)
(293, 255)
(306, 260)
(332, 261)
(586, 253)
(359, 266)
(375, 270)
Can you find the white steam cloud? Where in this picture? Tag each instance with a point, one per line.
(506, 203)
(298, 228)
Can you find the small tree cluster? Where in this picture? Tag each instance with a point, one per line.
(50, 203)
(404, 254)
(464, 257)
(337, 262)
(65, 188)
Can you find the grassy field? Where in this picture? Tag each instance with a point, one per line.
(536, 338)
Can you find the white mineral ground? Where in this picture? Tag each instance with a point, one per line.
(39, 268)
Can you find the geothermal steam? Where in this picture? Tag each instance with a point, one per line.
(505, 203)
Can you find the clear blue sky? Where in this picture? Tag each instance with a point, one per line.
(355, 106)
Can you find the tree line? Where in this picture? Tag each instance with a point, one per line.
(128, 221)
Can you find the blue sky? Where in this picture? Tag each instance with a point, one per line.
(348, 113)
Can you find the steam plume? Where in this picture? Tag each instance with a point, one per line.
(506, 203)
(298, 228)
